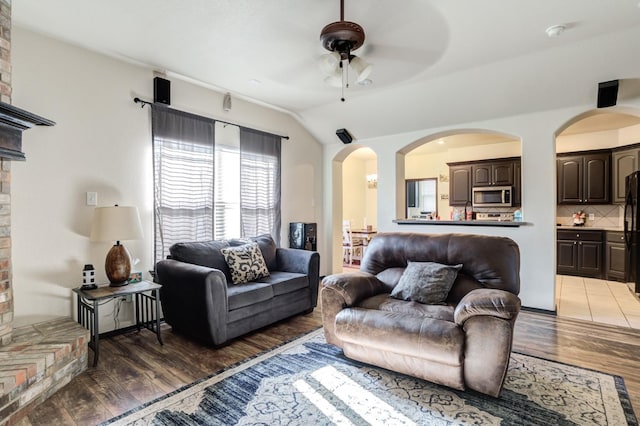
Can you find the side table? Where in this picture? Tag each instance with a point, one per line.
(147, 308)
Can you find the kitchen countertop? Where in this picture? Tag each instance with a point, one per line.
(459, 222)
(591, 228)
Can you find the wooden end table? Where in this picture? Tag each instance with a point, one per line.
(147, 308)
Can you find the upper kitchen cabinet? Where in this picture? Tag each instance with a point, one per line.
(459, 184)
(498, 173)
(624, 162)
(584, 178)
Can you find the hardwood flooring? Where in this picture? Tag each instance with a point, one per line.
(134, 368)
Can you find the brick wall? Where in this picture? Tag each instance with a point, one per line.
(6, 293)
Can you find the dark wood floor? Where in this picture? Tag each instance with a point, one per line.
(134, 368)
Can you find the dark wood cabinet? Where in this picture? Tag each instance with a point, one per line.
(517, 184)
(615, 257)
(498, 173)
(623, 164)
(580, 253)
(459, 185)
(584, 178)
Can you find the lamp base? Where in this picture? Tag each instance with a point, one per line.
(117, 265)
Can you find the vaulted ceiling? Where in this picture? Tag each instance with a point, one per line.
(436, 62)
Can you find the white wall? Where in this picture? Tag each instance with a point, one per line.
(102, 142)
(536, 239)
(359, 202)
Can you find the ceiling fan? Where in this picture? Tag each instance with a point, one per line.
(341, 39)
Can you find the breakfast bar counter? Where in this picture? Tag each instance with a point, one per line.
(494, 223)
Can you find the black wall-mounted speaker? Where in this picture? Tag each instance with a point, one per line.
(607, 93)
(344, 136)
(161, 90)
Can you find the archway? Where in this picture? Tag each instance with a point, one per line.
(595, 151)
(427, 160)
(354, 189)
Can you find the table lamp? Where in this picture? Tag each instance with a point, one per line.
(116, 223)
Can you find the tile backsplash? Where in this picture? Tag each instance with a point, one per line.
(606, 215)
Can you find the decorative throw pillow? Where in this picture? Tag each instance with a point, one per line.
(426, 282)
(245, 262)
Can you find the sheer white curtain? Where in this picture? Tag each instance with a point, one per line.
(260, 194)
(212, 180)
(183, 158)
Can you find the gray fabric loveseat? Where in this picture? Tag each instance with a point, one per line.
(461, 339)
(200, 300)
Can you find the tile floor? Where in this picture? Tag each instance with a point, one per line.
(594, 300)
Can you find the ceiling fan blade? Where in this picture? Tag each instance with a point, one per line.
(422, 56)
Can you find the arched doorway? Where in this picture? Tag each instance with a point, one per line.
(428, 162)
(354, 188)
(595, 151)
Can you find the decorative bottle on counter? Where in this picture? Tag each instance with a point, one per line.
(517, 216)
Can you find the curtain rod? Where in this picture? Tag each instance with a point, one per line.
(143, 102)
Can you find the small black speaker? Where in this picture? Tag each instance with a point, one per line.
(607, 93)
(161, 90)
(344, 136)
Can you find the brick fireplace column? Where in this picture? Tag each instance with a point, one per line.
(6, 293)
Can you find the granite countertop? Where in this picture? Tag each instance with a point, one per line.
(591, 228)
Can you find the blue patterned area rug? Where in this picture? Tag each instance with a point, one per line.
(308, 382)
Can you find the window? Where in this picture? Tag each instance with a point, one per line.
(212, 180)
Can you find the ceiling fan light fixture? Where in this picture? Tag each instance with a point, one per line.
(361, 67)
(334, 79)
(330, 62)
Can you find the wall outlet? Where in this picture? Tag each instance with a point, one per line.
(592, 216)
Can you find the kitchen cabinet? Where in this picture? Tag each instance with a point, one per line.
(580, 253)
(615, 256)
(517, 184)
(623, 164)
(495, 173)
(459, 184)
(584, 178)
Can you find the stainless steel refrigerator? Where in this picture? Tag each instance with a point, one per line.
(631, 224)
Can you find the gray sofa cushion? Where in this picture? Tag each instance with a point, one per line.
(285, 282)
(267, 246)
(426, 282)
(203, 253)
(242, 295)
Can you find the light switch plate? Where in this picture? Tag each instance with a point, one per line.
(92, 198)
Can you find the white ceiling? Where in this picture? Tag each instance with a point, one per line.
(436, 62)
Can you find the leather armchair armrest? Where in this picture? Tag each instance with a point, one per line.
(353, 287)
(487, 302)
(342, 290)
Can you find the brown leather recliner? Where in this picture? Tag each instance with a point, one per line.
(464, 343)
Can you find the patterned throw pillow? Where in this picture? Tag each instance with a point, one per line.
(245, 262)
(426, 282)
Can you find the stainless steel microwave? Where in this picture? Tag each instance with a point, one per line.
(492, 196)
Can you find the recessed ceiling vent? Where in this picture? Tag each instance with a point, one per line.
(13, 121)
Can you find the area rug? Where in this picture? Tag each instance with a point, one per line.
(308, 382)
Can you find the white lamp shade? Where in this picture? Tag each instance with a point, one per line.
(361, 67)
(116, 223)
(330, 62)
(335, 79)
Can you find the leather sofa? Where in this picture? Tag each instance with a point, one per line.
(199, 300)
(464, 343)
